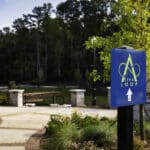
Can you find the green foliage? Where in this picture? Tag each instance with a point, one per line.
(66, 136)
(78, 133)
(64, 133)
(81, 122)
(100, 134)
(94, 42)
(138, 144)
(111, 122)
(54, 44)
(3, 98)
(12, 85)
(136, 128)
(55, 123)
(104, 44)
(132, 21)
(147, 131)
(94, 76)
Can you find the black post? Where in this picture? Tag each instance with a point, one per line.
(94, 95)
(141, 122)
(125, 128)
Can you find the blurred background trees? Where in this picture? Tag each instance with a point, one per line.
(39, 48)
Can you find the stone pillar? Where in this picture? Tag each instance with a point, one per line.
(77, 97)
(16, 97)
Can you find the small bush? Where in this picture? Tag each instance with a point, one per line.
(12, 85)
(102, 135)
(136, 128)
(55, 123)
(84, 122)
(138, 144)
(3, 98)
(79, 133)
(104, 119)
(65, 138)
(111, 122)
(147, 131)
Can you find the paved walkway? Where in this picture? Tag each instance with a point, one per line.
(17, 125)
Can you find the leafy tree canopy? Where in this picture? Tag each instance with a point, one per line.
(132, 19)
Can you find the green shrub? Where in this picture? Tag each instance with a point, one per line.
(79, 133)
(136, 128)
(104, 119)
(55, 123)
(138, 144)
(110, 122)
(82, 122)
(4, 98)
(147, 131)
(12, 85)
(102, 135)
(65, 138)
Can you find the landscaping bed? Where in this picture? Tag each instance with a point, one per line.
(78, 133)
(87, 133)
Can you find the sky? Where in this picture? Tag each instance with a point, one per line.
(13, 9)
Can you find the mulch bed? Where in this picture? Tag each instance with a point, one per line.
(34, 141)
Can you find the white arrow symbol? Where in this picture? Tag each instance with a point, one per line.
(129, 94)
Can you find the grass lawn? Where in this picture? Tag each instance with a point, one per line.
(101, 101)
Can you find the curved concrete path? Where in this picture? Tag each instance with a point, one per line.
(18, 124)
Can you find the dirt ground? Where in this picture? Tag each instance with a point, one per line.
(34, 141)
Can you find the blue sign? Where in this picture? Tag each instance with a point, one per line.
(128, 77)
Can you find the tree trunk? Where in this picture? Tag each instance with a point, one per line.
(38, 52)
(46, 59)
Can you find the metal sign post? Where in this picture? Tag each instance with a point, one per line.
(128, 87)
(141, 108)
(125, 128)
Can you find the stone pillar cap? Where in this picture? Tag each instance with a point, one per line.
(77, 90)
(16, 90)
(108, 87)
